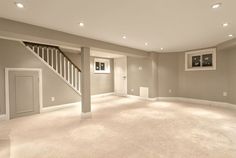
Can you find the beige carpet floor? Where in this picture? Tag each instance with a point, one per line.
(123, 128)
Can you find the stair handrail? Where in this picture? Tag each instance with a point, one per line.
(56, 47)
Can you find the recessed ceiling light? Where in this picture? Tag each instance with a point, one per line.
(81, 24)
(230, 35)
(225, 24)
(124, 37)
(19, 5)
(146, 44)
(162, 48)
(215, 6)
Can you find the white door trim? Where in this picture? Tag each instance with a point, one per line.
(7, 70)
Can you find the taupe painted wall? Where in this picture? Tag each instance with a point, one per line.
(75, 58)
(206, 85)
(162, 72)
(136, 77)
(232, 75)
(168, 75)
(159, 73)
(100, 83)
(14, 55)
(22, 31)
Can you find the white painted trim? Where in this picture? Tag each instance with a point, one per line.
(102, 95)
(3, 117)
(60, 59)
(57, 61)
(138, 97)
(201, 52)
(52, 69)
(107, 65)
(188, 100)
(76, 78)
(58, 107)
(87, 115)
(43, 53)
(72, 75)
(64, 71)
(207, 102)
(7, 87)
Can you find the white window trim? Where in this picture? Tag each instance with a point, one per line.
(107, 65)
(201, 52)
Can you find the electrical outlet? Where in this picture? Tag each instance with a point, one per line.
(225, 94)
(140, 68)
(52, 99)
(132, 90)
(170, 90)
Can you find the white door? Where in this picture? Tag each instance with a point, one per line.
(23, 93)
(120, 76)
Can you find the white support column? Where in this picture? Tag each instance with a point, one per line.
(85, 82)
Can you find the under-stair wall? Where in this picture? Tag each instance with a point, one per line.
(55, 59)
(14, 54)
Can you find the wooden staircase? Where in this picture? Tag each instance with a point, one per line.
(55, 59)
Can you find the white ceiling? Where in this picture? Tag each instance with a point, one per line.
(94, 52)
(175, 25)
(102, 54)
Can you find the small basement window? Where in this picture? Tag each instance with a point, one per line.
(101, 65)
(200, 60)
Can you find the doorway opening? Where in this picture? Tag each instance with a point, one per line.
(108, 73)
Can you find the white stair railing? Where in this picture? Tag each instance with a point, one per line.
(53, 57)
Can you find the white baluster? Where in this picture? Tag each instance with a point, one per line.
(38, 50)
(76, 78)
(68, 71)
(48, 56)
(33, 48)
(79, 80)
(43, 54)
(72, 74)
(52, 57)
(64, 62)
(57, 60)
(60, 59)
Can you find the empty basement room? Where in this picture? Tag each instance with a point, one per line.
(117, 79)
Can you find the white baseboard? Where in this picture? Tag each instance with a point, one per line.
(58, 107)
(188, 100)
(102, 95)
(207, 102)
(87, 115)
(138, 97)
(3, 117)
